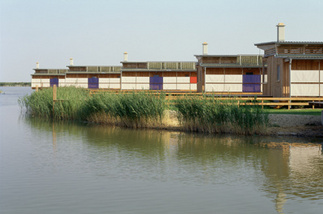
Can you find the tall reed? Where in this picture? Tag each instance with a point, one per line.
(212, 115)
(69, 101)
(135, 109)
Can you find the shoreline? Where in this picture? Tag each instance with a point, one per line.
(279, 125)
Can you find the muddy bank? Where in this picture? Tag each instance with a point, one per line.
(295, 125)
(279, 124)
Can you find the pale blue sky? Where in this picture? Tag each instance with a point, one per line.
(97, 32)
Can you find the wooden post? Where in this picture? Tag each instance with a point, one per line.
(54, 92)
(262, 104)
(289, 101)
(36, 88)
(313, 105)
(54, 97)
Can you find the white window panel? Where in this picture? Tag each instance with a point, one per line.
(61, 82)
(214, 87)
(232, 87)
(183, 86)
(321, 77)
(44, 84)
(104, 80)
(169, 86)
(193, 86)
(104, 85)
(129, 79)
(169, 79)
(321, 90)
(115, 80)
(71, 80)
(233, 78)
(142, 79)
(82, 85)
(305, 89)
(45, 80)
(142, 86)
(82, 80)
(35, 80)
(214, 78)
(114, 85)
(304, 76)
(183, 80)
(128, 86)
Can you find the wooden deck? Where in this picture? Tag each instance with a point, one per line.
(242, 98)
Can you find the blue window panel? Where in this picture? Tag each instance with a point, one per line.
(251, 88)
(251, 78)
(53, 82)
(156, 83)
(93, 82)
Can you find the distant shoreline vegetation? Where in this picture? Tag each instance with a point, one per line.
(146, 109)
(15, 84)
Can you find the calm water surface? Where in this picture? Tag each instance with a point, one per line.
(48, 167)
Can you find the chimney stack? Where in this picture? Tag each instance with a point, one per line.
(125, 56)
(280, 32)
(71, 61)
(204, 48)
(37, 65)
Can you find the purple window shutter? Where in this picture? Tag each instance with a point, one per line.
(53, 82)
(93, 82)
(156, 83)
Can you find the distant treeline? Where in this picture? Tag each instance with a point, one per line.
(15, 84)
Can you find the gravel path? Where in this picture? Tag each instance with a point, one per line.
(292, 120)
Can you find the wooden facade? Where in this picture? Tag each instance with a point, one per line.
(44, 78)
(294, 69)
(166, 76)
(229, 73)
(96, 77)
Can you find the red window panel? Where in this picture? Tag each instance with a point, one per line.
(193, 80)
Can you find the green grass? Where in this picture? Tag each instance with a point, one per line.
(294, 111)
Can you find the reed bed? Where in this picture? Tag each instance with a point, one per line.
(67, 107)
(220, 116)
(134, 109)
(146, 109)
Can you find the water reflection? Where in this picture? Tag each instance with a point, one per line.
(283, 168)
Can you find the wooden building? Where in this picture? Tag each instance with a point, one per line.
(167, 76)
(45, 78)
(295, 69)
(229, 73)
(94, 77)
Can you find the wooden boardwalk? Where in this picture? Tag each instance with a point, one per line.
(242, 98)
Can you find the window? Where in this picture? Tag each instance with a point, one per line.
(278, 72)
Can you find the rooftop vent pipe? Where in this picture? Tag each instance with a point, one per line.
(37, 65)
(204, 48)
(71, 61)
(280, 32)
(125, 56)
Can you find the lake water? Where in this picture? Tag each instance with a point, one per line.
(63, 167)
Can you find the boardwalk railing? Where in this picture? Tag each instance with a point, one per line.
(242, 99)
